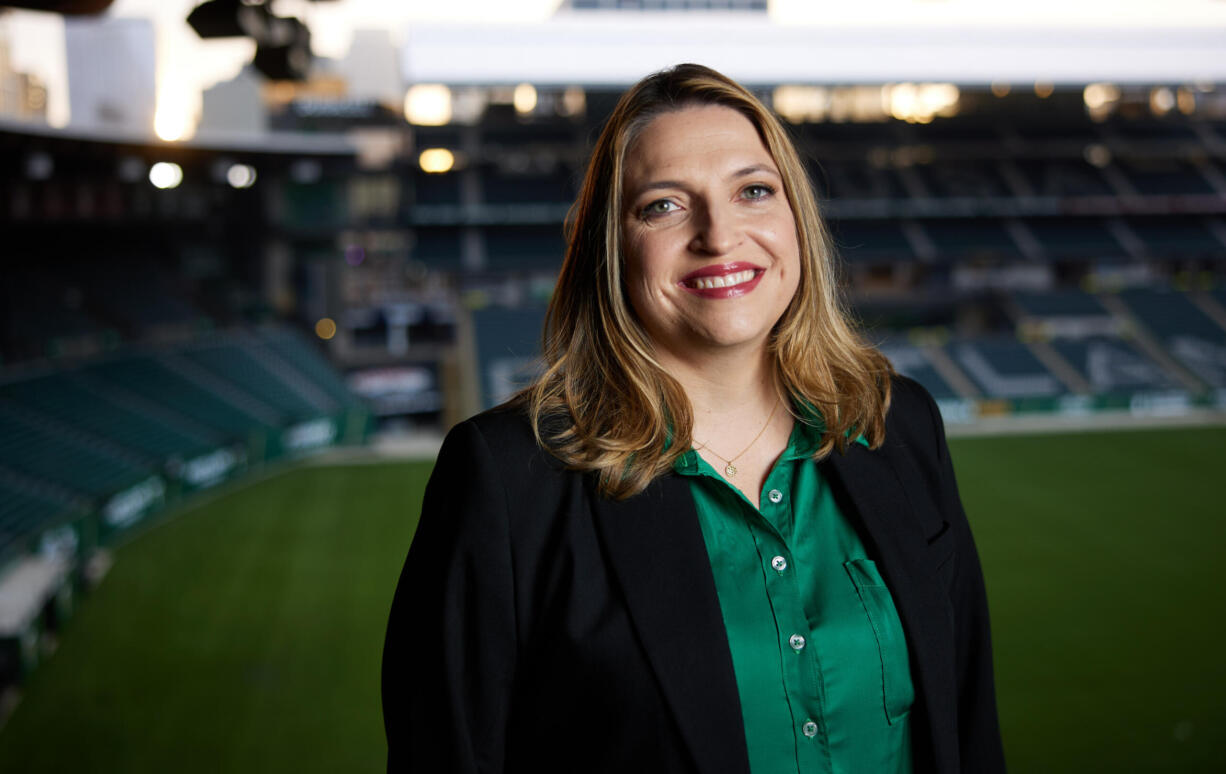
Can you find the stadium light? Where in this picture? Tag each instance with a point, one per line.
(325, 328)
(428, 104)
(524, 98)
(1185, 98)
(574, 101)
(920, 103)
(436, 161)
(240, 176)
(1100, 99)
(1161, 101)
(1097, 154)
(172, 117)
(801, 103)
(165, 174)
(1044, 89)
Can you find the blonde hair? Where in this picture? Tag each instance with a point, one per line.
(603, 402)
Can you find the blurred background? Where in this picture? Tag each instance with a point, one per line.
(256, 256)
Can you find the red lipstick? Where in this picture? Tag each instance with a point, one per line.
(725, 280)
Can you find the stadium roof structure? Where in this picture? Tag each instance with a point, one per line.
(596, 48)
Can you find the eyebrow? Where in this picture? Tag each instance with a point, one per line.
(753, 169)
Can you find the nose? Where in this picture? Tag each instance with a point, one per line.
(716, 231)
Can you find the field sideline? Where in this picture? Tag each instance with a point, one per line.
(244, 634)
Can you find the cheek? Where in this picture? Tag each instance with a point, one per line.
(636, 271)
(644, 267)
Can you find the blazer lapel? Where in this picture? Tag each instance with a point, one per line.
(656, 549)
(876, 490)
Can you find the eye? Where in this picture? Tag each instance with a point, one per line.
(757, 191)
(659, 207)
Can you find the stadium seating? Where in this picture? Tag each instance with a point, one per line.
(1065, 302)
(515, 248)
(870, 241)
(1177, 237)
(60, 455)
(1003, 367)
(1073, 238)
(911, 361)
(971, 238)
(1164, 177)
(130, 424)
(111, 440)
(1113, 366)
(1189, 334)
(508, 341)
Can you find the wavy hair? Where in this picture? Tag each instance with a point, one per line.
(603, 402)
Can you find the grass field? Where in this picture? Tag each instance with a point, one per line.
(244, 634)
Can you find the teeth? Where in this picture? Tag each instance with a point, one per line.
(724, 281)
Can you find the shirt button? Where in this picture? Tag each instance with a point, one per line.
(779, 563)
(809, 729)
(797, 642)
(774, 495)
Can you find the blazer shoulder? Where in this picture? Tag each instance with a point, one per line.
(913, 412)
(501, 442)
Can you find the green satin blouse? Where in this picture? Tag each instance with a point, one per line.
(819, 652)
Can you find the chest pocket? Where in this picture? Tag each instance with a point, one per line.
(896, 689)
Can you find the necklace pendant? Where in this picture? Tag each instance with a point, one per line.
(730, 470)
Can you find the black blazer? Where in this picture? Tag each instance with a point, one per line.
(539, 627)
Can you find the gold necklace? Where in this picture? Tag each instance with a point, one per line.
(729, 468)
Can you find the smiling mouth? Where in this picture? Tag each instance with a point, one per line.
(721, 280)
(729, 280)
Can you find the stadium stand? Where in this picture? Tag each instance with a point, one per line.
(1190, 335)
(1073, 238)
(1003, 367)
(101, 446)
(508, 340)
(912, 361)
(1114, 367)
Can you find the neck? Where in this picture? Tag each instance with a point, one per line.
(727, 390)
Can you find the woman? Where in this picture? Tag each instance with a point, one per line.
(609, 573)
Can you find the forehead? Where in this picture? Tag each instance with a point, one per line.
(707, 138)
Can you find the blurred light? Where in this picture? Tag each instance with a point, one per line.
(1185, 98)
(574, 101)
(1161, 101)
(436, 160)
(354, 255)
(172, 120)
(325, 328)
(305, 171)
(39, 166)
(131, 169)
(801, 103)
(240, 176)
(1097, 154)
(1097, 95)
(468, 104)
(428, 104)
(525, 98)
(920, 103)
(1000, 89)
(165, 174)
(1100, 99)
(1044, 89)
